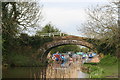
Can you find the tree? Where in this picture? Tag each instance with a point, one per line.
(84, 49)
(17, 17)
(66, 48)
(48, 29)
(102, 24)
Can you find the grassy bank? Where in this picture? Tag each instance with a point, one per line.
(19, 60)
(110, 66)
(110, 71)
(26, 59)
(107, 68)
(23, 51)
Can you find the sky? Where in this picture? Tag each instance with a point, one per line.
(67, 15)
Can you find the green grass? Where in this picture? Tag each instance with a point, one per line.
(107, 68)
(94, 71)
(91, 63)
(111, 70)
(20, 60)
(107, 71)
(110, 66)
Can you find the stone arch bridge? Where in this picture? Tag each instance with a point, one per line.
(64, 40)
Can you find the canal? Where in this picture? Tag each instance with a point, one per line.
(51, 71)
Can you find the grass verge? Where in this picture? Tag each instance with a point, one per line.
(107, 68)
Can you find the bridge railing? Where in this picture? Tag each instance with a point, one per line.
(52, 34)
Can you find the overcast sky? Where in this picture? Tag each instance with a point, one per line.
(67, 15)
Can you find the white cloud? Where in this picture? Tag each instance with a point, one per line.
(66, 14)
(60, 16)
(66, 20)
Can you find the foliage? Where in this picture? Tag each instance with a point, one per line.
(20, 60)
(108, 60)
(19, 48)
(34, 41)
(47, 29)
(17, 17)
(102, 24)
(102, 47)
(95, 72)
(84, 49)
(91, 63)
(24, 49)
(66, 48)
(107, 66)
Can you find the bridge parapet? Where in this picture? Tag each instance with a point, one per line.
(70, 37)
(52, 34)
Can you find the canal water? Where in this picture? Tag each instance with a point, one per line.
(51, 71)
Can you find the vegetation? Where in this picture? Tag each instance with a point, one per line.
(20, 49)
(102, 47)
(16, 18)
(24, 52)
(66, 48)
(95, 72)
(107, 68)
(110, 66)
(84, 49)
(50, 30)
(102, 25)
(102, 28)
(47, 29)
(108, 60)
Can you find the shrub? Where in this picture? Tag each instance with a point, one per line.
(20, 60)
(95, 72)
(108, 60)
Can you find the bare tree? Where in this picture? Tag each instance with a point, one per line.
(102, 24)
(16, 18)
(19, 16)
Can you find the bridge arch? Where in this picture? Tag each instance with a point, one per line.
(66, 40)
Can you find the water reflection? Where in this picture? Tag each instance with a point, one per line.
(51, 71)
(24, 72)
(65, 71)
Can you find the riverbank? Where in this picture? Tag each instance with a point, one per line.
(27, 59)
(107, 68)
(110, 71)
(102, 71)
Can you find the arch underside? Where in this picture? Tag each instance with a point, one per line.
(51, 45)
